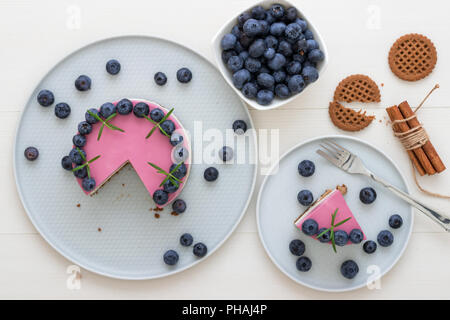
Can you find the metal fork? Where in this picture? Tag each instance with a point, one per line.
(351, 163)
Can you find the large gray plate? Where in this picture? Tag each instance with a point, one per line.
(277, 208)
(132, 241)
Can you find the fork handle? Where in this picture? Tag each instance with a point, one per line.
(440, 219)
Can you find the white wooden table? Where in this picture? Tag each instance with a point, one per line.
(35, 35)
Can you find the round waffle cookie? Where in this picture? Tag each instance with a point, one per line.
(348, 119)
(357, 87)
(412, 57)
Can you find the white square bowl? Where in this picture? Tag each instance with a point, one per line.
(277, 102)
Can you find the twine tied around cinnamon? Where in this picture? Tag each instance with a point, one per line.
(415, 138)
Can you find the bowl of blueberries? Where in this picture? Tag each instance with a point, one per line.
(270, 54)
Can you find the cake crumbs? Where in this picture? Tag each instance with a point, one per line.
(78, 205)
(99, 229)
(174, 213)
(123, 184)
(157, 215)
(382, 84)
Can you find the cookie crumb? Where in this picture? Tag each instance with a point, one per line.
(157, 215)
(174, 213)
(78, 205)
(99, 229)
(343, 189)
(123, 184)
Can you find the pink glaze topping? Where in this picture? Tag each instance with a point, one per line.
(118, 148)
(323, 211)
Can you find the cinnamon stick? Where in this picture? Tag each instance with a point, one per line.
(417, 156)
(428, 147)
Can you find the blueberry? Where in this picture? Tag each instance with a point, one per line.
(303, 264)
(296, 84)
(81, 173)
(238, 47)
(45, 98)
(293, 67)
(83, 83)
(31, 153)
(179, 206)
(252, 27)
(76, 157)
(279, 76)
(265, 80)
(227, 54)
(186, 240)
(88, 184)
(113, 67)
(184, 75)
(79, 140)
(277, 62)
(181, 171)
(265, 28)
(349, 269)
(264, 69)
(309, 64)
(308, 34)
(200, 250)
(180, 154)
(228, 41)
(306, 168)
(264, 97)
(240, 78)
(385, 238)
(297, 247)
(171, 257)
(89, 118)
(310, 227)
(160, 78)
(271, 42)
(236, 31)
(243, 17)
(311, 45)
(291, 14)
(226, 153)
(293, 31)
(298, 57)
(62, 110)
(239, 127)
(107, 109)
(244, 55)
(305, 197)
(277, 29)
(395, 221)
(249, 90)
(277, 11)
(326, 237)
(285, 48)
(66, 163)
(176, 138)
(302, 24)
(269, 53)
(356, 236)
(310, 74)
(367, 195)
(301, 48)
(211, 174)
(124, 106)
(160, 196)
(245, 40)
(168, 126)
(269, 18)
(170, 187)
(141, 109)
(235, 63)
(282, 91)
(369, 246)
(316, 55)
(84, 128)
(252, 65)
(340, 238)
(257, 48)
(157, 114)
(258, 13)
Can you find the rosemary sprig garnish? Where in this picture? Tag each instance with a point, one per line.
(158, 124)
(331, 229)
(169, 175)
(85, 164)
(105, 123)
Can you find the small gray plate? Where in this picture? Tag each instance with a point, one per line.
(132, 241)
(277, 208)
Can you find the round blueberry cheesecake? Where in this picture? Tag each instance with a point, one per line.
(136, 132)
(271, 53)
